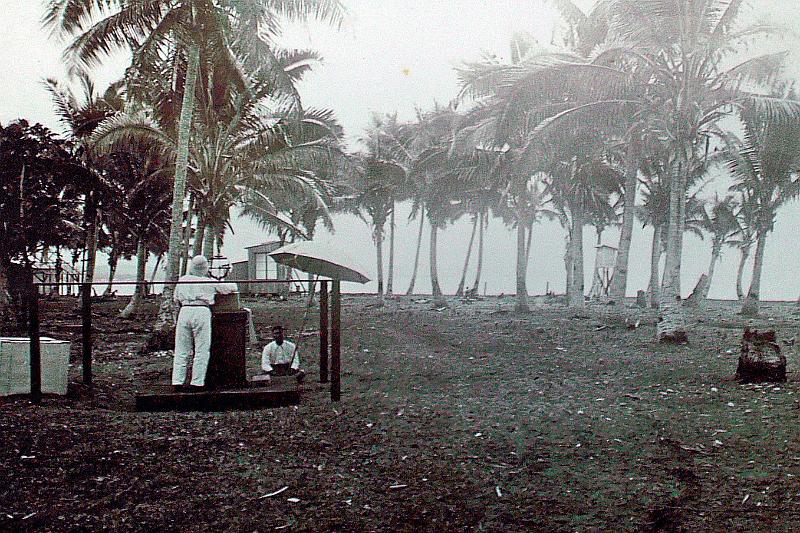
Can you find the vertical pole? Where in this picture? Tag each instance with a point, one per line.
(336, 342)
(35, 348)
(86, 332)
(323, 332)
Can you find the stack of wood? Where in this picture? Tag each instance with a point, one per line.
(760, 360)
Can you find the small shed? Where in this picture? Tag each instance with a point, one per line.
(259, 265)
(604, 264)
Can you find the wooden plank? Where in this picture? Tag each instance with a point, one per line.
(35, 349)
(336, 341)
(86, 332)
(255, 398)
(323, 332)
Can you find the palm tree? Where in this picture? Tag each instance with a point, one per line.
(765, 167)
(434, 180)
(82, 114)
(745, 237)
(372, 185)
(670, 61)
(182, 29)
(721, 224)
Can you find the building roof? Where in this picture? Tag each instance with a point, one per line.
(262, 244)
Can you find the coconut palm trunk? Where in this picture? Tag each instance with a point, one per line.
(155, 267)
(619, 283)
(187, 236)
(744, 255)
(576, 288)
(113, 261)
(138, 294)
(199, 236)
(378, 236)
(750, 304)
(166, 315)
(522, 260)
(5, 296)
(528, 246)
(460, 289)
(92, 231)
(671, 324)
(479, 268)
(654, 286)
(716, 251)
(208, 241)
(568, 264)
(416, 254)
(436, 289)
(390, 277)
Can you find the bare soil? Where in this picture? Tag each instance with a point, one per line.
(468, 418)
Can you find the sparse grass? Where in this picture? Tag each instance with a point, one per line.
(578, 429)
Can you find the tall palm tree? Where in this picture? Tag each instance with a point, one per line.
(81, 113)
(745, 237)
(372, 184)
(685, 80)
(765, 166)
(182, 29)
(718, 219)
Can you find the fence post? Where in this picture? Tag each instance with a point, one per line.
(86, 332)
(35, 348)
(323, 332)
(336, 342)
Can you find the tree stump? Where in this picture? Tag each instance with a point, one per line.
(641, 299)
(761, 359)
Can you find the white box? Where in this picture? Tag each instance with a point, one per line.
(15, 366)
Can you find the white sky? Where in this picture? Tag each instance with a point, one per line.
(395, 55)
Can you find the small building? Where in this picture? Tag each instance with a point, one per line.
(604, 264)
(259, 265)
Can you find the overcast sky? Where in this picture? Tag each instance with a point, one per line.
(397, 55)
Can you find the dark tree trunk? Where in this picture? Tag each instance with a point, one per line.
(113, 260)
(199, 237)
(379, 257)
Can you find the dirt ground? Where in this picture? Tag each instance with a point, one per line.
(468, 418)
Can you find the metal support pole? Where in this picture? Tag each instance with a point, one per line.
(323, 332)
(86, 332)
(35, 348)
(336, 342)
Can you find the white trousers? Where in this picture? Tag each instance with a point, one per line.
(192, 334)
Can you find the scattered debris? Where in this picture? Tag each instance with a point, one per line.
(271, 494)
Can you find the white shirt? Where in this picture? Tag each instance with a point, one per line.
(200, 293)
(279, 355)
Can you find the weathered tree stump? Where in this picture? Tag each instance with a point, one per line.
(641, 299)
(159, 340)
(761, 359)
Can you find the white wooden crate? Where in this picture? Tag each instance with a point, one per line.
(15, 366)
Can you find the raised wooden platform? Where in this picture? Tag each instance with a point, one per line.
(164, 399)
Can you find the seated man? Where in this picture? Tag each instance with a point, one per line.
(280, 357)
(193, 327)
